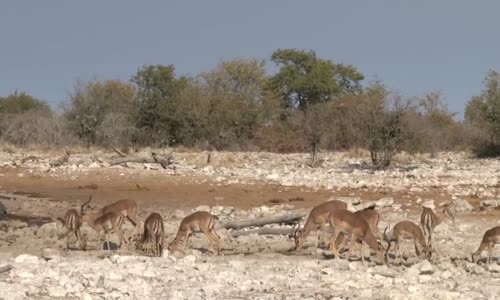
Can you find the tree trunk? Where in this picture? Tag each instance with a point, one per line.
(290, 218)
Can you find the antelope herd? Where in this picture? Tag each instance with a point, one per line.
(361, 226)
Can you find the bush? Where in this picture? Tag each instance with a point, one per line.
(36, 127)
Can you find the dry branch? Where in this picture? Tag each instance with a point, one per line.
(154, 159)
(5, 268)
(118, 151)
(262, 231)
(290, 218)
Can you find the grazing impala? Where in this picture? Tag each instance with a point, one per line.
(73, 221)
(104, 222)
(347, 222)
(372, 217)
(490, 238)
(199, 221)
(317, 219)
(126, 207)
(429, 220)
(406, 230)
(154, 233)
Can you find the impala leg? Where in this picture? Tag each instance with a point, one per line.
(217, 240)
(67, 240)
(79, 238)
(490, 252)
(387, 250)
(362, 253)
(333, 247)
(323, 233)
(397, 250)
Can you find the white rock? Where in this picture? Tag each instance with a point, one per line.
(425, 267)
(203, 208)
(115, 276)
(489, 204)
(57, 291)
(366, 294)
(26, 258)
(460, 205)
(188, 260)
(429, 204)
(86, 296)
(494, 268)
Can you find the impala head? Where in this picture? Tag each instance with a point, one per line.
(296, 233)
(85, 205)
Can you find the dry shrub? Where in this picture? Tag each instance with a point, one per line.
(117, 129)
(35, 128)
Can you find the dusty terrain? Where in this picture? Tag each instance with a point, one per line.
(238, 186)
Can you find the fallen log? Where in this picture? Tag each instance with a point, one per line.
(118, 151)
(290, 219)
(154, 159)
(5, 268)
(262, 231)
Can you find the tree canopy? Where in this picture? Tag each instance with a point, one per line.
(305, 79)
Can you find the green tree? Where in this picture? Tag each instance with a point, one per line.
(381, 122)
(483, 113)
(95, 106)
(157, 87)
(239, 100)
(305, 79)
(21, 102)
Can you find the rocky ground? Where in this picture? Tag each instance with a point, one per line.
(238, 186)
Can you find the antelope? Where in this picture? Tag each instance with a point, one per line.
(72, 221)
(342, 220)
(372, 217)
(199, 221)
(104, 222)
(154, 232)
(318, 218)
(126, 207)
(490, 238)
(405, 230)
(429, 220)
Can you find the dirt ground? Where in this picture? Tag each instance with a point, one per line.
(180, 192)
(39, 197)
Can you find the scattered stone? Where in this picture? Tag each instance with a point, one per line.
(489, 204)
(26, 258)
(429, 204)
(460, 205)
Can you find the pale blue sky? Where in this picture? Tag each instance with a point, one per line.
(412, 46)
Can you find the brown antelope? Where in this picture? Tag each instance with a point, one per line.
(372, 217)
(104, 222)
(72, 221)
(317, 219)
(490, 238)
(406, 230)
(126, 207)
(199, 221)
(154, 232)
(342, 220)
(429, 220)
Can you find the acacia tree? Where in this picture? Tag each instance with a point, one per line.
(157, 88)
(305, 79)
(483, 113)
(380, 116)
(238, 101)
(305, 83)
(94, 105)
(20, 102)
